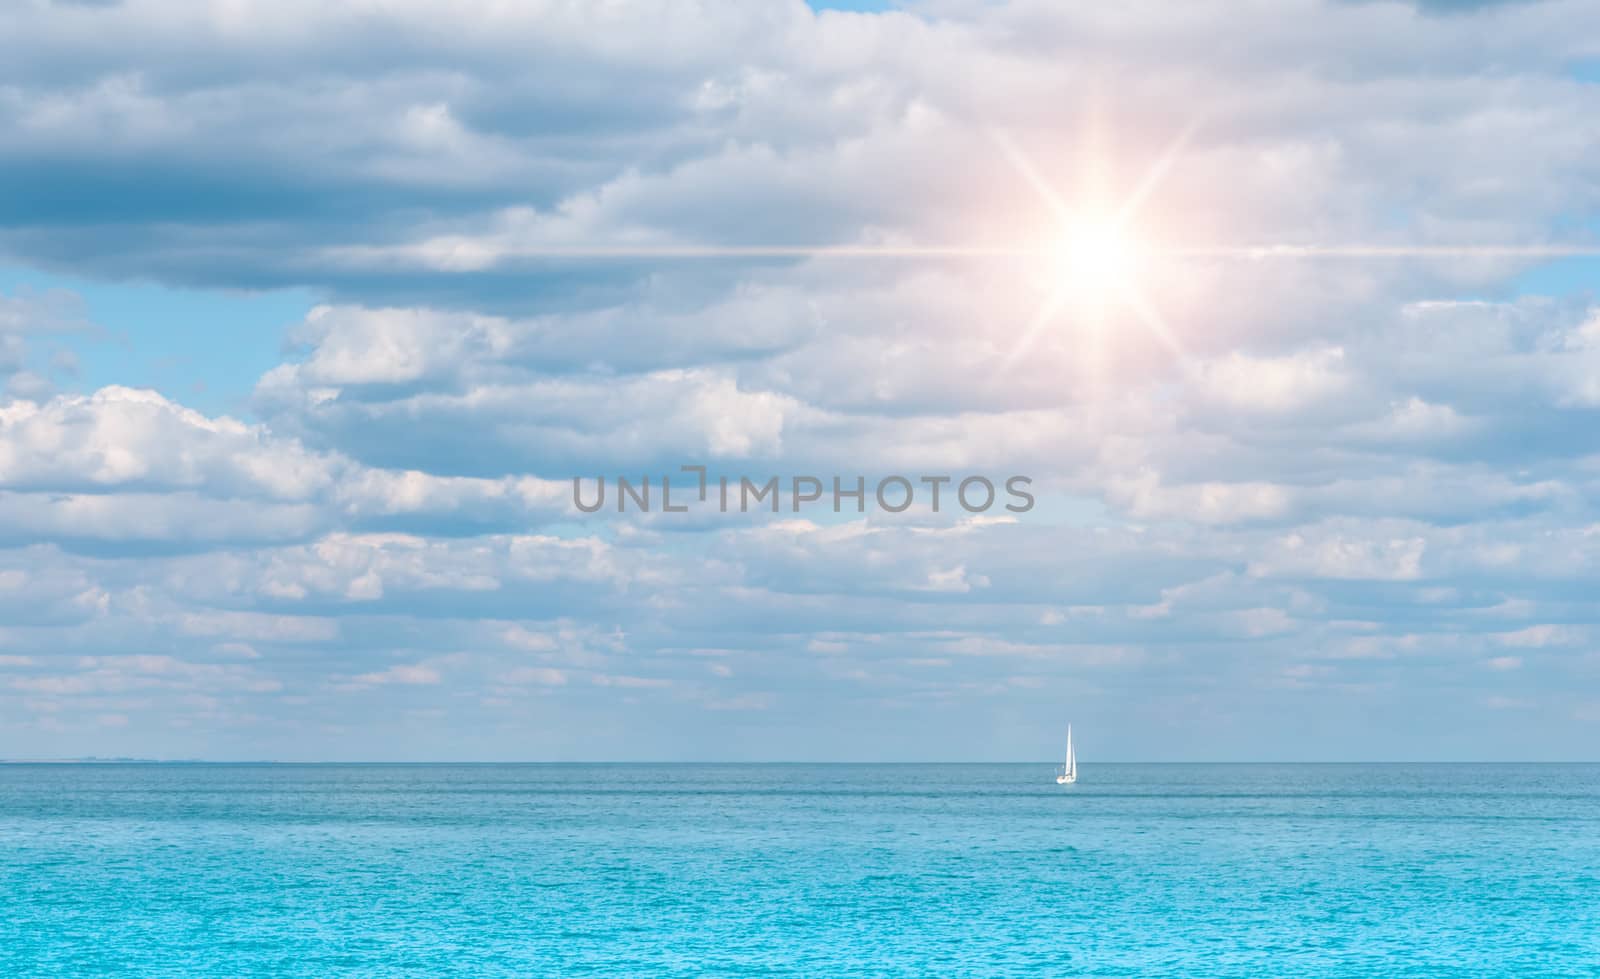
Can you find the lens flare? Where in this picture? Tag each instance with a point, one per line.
(1096, 259)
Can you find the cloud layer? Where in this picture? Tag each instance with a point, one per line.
(1288, 507)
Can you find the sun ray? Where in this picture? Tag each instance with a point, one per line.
(1047, 312)
(958, 251)
(1376, 251)
(1157, 172)
(1024, 166)
(1153, 321)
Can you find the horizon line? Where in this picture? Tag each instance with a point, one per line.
(97, 760)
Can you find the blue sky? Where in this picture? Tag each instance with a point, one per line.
(303, 338)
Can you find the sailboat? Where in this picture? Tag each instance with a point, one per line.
(1069, 770)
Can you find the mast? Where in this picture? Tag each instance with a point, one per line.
(1072, 763)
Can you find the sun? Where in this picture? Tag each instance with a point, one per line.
(1098, 267)
(1096, 259)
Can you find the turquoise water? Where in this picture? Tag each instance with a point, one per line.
(813, 870)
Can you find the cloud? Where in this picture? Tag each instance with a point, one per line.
(137, 439)
(1295, 492)
(122, 465)
(422, 174)
(28, 317)
(410, 675)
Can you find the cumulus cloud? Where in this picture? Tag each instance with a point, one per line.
(126, 465)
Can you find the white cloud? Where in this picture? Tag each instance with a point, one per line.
(121, 437)
(1540, 636)
(413, 674)
(542, 675)
(1327, 553)
(1276, 384)
(131, 465)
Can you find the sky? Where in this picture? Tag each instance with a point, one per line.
(310, 314)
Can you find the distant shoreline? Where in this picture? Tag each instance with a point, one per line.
(116, 761)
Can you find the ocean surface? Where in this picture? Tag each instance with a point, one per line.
(804, 870)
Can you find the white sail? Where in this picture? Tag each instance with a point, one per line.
(1069, 770)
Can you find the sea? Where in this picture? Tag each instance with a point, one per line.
(1193, 870)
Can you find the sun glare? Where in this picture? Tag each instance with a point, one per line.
(1095, 259)
(1097, 265)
